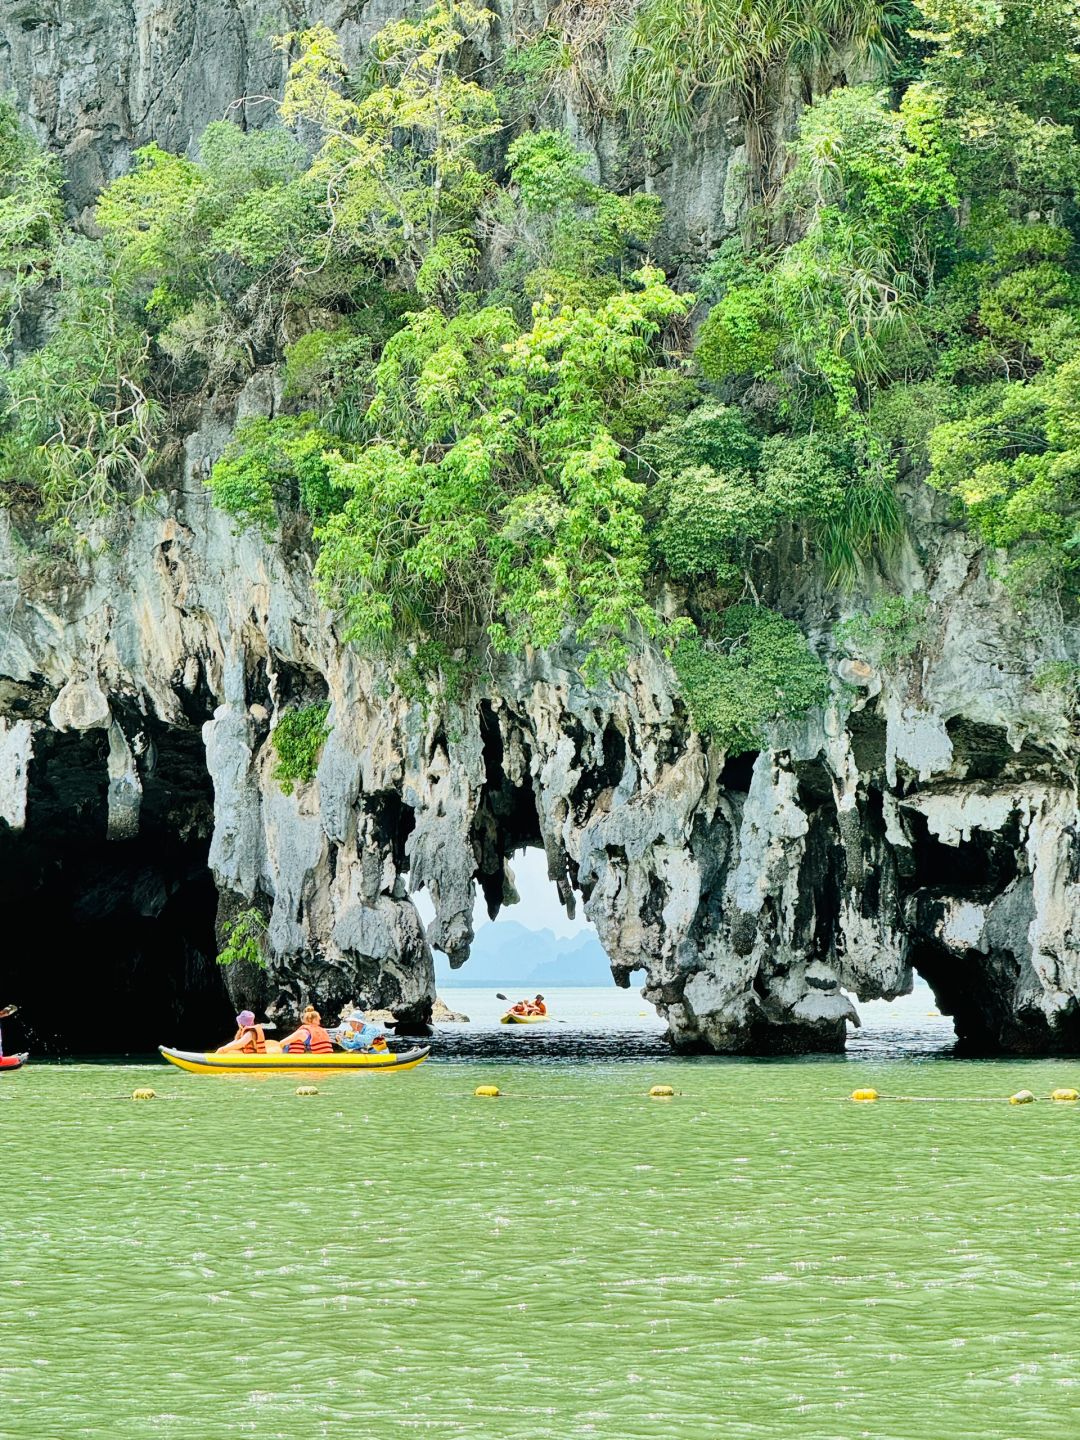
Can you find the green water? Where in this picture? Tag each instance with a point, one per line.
(755, 1258)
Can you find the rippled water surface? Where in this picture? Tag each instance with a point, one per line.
(757, 1257)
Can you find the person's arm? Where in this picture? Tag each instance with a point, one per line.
(236, 1043)
(297, 1037)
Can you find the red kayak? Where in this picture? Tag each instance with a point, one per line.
(13, 1062)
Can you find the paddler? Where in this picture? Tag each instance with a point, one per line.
(356, 1032)
(7, 1010)
(309, 1036)
(250, 1039)
(529, 1007)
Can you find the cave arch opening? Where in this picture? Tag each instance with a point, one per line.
(109, 942)
(968, 905)
(530, 930)
(914, 1022)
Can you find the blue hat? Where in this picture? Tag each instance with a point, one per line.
(357, 1017)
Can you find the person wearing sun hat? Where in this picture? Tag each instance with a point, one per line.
(249, 1037)
(356, 1032)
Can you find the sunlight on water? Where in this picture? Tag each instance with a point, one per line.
(757, 1257)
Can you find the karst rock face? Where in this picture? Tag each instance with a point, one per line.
(97, 78)
(925, 818)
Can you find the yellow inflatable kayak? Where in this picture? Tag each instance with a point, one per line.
(511, 1019)
(211, 1063)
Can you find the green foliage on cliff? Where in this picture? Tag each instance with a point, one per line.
(81, 421)
(274, 466)
(685, 57)
(497, 497)
(752, 668)
(245, 940)
(399, 164)
(923, 310)
(723, 493)
(431, 674)
(485, 405)
(221, 251)
(575, 239)
(1059, 679)
(298, 738)
(837, 312)
(77, 419)
(892, 631)
(183, 227)
(489, 458)
(30, 212)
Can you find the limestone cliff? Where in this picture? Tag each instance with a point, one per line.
(97, 78)
(925, 818)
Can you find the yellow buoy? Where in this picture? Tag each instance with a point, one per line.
(864, 1095)
(1022, 1097)
(1065, 1094)
(144, 1094)
(307, 1089)
(662, 1092)
(491, 1090)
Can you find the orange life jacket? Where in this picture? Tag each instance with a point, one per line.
(539, 1008)
(254, 1040)
(318, 1042)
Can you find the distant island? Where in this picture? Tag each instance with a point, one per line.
(507, 954)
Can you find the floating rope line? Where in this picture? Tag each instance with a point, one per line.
(1059, 1099)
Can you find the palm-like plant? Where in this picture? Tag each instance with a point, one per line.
(684, 56)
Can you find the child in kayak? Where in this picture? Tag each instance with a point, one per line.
(308, 1036)
(356, 1032)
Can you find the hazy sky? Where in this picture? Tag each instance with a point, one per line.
(539, 908)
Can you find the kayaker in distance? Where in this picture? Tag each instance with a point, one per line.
(356, 1032)
(250, 1038)
(529, 1007)
(309, 1036)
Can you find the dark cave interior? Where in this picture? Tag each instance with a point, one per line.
(110, 943)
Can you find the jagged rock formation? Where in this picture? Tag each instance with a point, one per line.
(926, 818)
